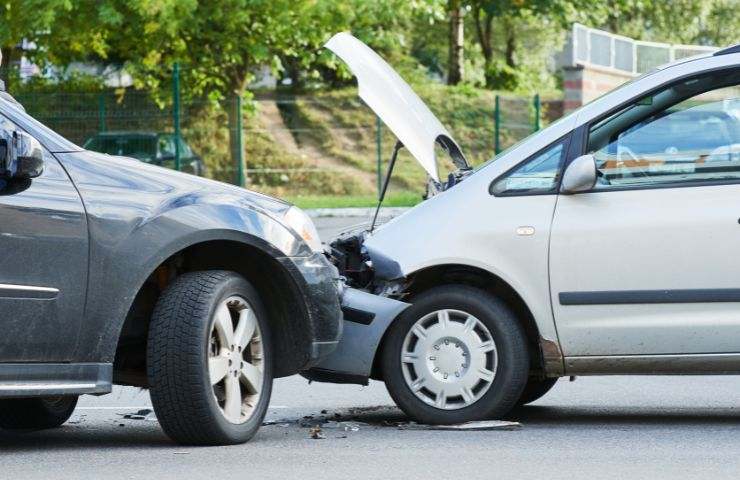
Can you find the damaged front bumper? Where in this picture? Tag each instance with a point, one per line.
(320, 286)
(366, 319)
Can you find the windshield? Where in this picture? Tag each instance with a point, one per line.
(140, 147)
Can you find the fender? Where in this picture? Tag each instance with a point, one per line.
(135, 225)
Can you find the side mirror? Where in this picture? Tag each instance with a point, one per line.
(21, 155)
(580, 175)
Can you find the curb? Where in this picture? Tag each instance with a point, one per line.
(355, 212)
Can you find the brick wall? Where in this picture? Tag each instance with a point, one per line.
(583, 84)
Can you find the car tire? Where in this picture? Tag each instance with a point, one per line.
(209, 359)
(535, 389)
(453, 351)
(36, 413)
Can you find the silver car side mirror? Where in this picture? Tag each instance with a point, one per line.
(580, 175)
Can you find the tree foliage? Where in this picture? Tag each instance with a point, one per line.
(221, 45)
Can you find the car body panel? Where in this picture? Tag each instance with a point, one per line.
(654, 239)
(44, 245)
(139, 215)
(391, 98)
(466, 225)
(352, 361)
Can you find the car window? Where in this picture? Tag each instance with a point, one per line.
(166, 147)
(689, 132)
(539, 174)
(139, 147)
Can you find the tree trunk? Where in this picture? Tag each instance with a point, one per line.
(7, 56)
(457, 39)
(510, 47)
(484, 30)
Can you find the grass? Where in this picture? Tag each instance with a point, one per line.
(404, 199)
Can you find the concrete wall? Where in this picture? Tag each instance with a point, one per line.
(583, 84)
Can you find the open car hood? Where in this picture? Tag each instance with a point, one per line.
(397, 105)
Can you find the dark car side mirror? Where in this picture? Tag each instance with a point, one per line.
(21, 155)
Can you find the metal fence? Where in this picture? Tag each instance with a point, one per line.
(592, 47)
(328, 143)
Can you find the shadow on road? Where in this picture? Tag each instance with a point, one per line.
(73, 438)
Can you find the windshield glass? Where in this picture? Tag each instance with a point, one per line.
(140, 147)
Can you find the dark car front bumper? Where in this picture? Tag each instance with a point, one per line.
(321, 291)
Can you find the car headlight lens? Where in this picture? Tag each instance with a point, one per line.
(302, 224)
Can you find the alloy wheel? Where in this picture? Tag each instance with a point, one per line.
(236, 359)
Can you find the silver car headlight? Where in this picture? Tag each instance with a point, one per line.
(302, 224)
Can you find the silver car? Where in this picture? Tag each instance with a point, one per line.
(605, 244)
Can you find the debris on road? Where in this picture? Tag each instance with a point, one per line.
(316, 433)
(144, 414)
(480, 426)
(346, 426)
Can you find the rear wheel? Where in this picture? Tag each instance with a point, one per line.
(457, 354)
(536, 388)
(36, 413)
(209, 359)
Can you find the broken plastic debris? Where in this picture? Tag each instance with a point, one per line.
(316, 433)
(469, 426)
(346, 426)
(144, 414)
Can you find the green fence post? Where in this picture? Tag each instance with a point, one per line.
(537, 110)
(176, 111)
(242, 178)
(496, 127)
(101, 113)
(379, 151)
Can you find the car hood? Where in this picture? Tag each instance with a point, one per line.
(397, 105)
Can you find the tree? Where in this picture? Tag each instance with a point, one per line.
(457, 37)
(24, 20)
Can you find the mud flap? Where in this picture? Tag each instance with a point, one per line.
(366, 319)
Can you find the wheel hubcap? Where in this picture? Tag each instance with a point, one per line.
(235, 359)
(449, 359)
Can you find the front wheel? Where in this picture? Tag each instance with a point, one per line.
(209, 359)
(36, 413)
(458, 354)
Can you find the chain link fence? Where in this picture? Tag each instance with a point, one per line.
(326, 143)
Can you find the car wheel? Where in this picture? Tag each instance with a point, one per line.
(535, 389)
(36, 413)
(209, 359)
(456, 355)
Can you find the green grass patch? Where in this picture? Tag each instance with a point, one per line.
(404, 199)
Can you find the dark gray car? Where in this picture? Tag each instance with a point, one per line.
(113, 271)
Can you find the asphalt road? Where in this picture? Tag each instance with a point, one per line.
(607, 427)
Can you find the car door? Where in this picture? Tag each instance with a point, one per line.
(43, 265)
(646, 263)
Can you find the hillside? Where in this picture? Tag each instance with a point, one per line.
(326, 142)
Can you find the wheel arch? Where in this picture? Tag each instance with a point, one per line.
(545, 355)
(251, 257)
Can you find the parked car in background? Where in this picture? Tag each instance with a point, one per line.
(149, 147)
(605, 244)
(118, 272)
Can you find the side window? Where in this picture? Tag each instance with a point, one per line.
(688, 133)
(540, 174)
